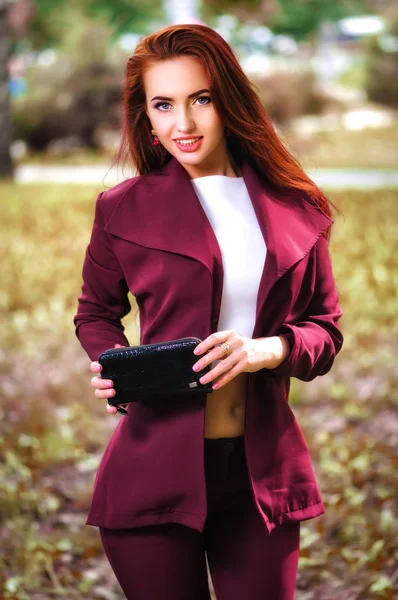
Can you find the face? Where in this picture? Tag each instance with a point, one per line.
(179, 107)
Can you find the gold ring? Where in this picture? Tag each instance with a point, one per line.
(226, 348)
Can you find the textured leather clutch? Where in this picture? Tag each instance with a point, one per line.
(151, 372)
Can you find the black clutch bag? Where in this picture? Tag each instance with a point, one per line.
(151, 372)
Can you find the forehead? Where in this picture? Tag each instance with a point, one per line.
(175, 77)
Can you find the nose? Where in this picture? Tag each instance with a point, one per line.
(185, 122)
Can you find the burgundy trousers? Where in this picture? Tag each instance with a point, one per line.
(168, 561)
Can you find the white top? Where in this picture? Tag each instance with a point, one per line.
(230, 212)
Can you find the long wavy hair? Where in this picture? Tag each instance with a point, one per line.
(251, 134)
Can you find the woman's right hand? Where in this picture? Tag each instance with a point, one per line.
(104, 387)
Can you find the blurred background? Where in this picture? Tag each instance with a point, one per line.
(327, 72)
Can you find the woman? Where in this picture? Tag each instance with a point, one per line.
(220, 236)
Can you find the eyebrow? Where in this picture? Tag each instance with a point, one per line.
(190, 95)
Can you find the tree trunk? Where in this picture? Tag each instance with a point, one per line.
(6, 165)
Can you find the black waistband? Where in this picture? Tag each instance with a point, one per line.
(225, 441)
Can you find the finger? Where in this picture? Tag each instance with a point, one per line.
(112, 409)
(215, 338)
(212, 355)
(99, 393)
(100, 383)
(95, 367)
(217, 371)
(119, 346)
(205, 361)
(227, 377)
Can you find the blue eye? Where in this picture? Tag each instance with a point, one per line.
(159, 104)
(204, 98)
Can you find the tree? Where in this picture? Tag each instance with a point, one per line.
(6, 167)
(123, 16)
(291, 17)
(15, 16)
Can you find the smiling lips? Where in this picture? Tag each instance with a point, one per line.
(189, 144)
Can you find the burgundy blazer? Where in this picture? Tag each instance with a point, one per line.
(152, 237)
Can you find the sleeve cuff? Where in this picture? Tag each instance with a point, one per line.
(286, 367)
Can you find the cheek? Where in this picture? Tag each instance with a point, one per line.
(216, 127)
(160, 122)
(159, 125)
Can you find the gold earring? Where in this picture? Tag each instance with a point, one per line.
(155, 139)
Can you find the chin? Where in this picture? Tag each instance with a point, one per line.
(188, 159)
(196, 158)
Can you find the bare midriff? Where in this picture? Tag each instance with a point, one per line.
(225, 409)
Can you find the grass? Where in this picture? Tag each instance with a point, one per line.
(54, 431)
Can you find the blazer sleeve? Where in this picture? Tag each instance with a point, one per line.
(103, 301)
(316, 338)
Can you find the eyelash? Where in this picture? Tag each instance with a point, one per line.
(161, 103)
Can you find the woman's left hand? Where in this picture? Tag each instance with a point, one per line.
(245, 355)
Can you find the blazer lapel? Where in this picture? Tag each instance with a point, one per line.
(290, 227)
(162, 211)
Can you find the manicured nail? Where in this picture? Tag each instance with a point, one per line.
(195, 368)
(196, 351)
(215, 386)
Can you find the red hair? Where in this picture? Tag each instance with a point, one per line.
(251, 132)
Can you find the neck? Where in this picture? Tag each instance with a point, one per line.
(227, 166)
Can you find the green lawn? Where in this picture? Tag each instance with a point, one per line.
(54, 430)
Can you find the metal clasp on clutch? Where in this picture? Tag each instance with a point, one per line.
(193, 384)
